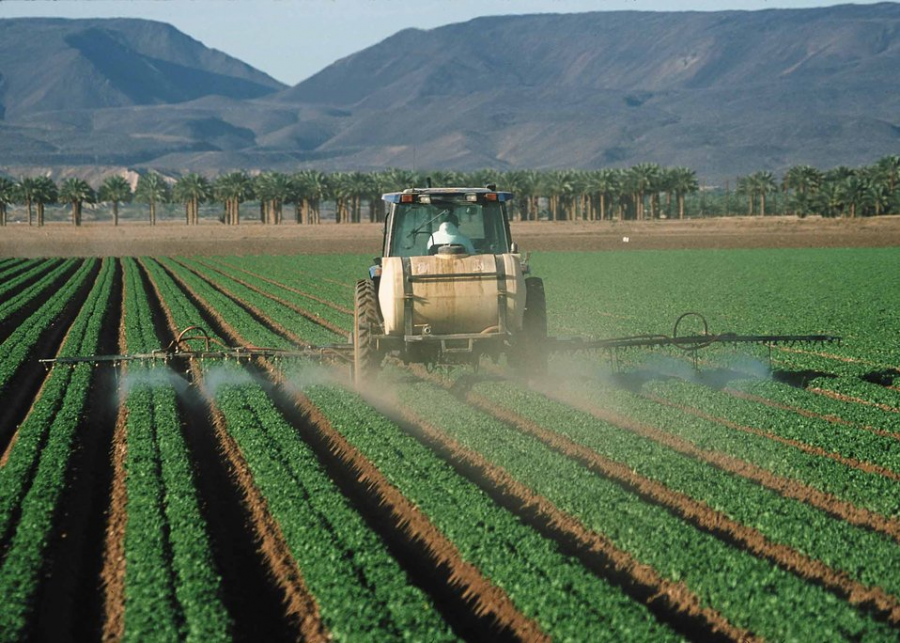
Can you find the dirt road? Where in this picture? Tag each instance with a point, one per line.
(209, 238)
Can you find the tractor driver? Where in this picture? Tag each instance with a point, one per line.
(448, 234)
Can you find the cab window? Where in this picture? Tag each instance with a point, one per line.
(414, 223)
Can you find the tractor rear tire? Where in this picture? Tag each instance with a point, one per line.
(366, 324)
(530, 351)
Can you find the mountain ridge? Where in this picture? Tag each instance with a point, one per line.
(724, 93)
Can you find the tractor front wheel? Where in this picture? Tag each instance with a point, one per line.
(366, 357)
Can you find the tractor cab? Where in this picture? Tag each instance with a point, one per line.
(429, 221)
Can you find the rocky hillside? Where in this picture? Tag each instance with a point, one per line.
(722, 92)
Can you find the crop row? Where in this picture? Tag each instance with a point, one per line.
(729, 579)
(34, 475)
(11, 268)
(35, 290)
(557, 591)
(360, 589)
(324, 305)
(10, 282)
(845, 441)
(871, 558)
(171, 587)
(855, 535)
(20, 345)
(327, 276)
(491, 536)
(282, 315)
(862, 489)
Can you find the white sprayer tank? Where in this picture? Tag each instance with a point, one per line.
(452, 294)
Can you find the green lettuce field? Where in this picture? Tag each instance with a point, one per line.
(753, 495)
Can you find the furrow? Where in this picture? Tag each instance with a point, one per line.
(487, 598)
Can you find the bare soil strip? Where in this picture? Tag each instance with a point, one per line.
(699, 513)
(14, 321)
(810, 414)
(113, 572)
(326, 302)
(848, 360)
(471, 603)
(257, 314)
(854, 400)
(25, 385)
(785, 486)
(671, 601)
(241, 561)
(316, 319)
(852, 463)
(70, 602)
(46, 268)
(467, 586)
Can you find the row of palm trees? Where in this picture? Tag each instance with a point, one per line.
(356, 196)
(643, 191)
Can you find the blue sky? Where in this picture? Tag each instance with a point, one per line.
(293, 39)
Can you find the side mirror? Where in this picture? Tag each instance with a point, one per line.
(514, 248)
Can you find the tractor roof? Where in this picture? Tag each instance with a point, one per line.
(479, 193)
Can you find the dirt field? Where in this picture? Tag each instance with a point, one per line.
(209, 238)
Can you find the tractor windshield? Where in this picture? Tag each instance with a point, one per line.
(481, 223)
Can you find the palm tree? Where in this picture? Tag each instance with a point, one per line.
(890, 169)
(338, 190)
(76, 192)
(7, 196)
(683, 181)
(829, 199)
(853, 190)
(745, 188)
(762, 183)
(309, 190)
(192, 190)
(232, 189)
(803, 181)
(25, 190)
(876, 198)
(399, 179)
(115, 190)
(36, 191)
(152, 189)
(45, 192)
(356, 186)
(645, 177)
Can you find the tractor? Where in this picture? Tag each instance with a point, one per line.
(450, 286)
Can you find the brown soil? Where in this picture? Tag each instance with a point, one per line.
(679, 597)
(643, 580)
(787, 487)
(325, 302)
(699, 513)
(300, 606)
(70, 603)
(316, 319)
(210, 238)
(854, 400)
(25, 385)
(849, 360)
(810, 414)
(466, 581)
(852, 463)
(113, 574)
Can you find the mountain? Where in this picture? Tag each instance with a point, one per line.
(56, 64)
(724, 93)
